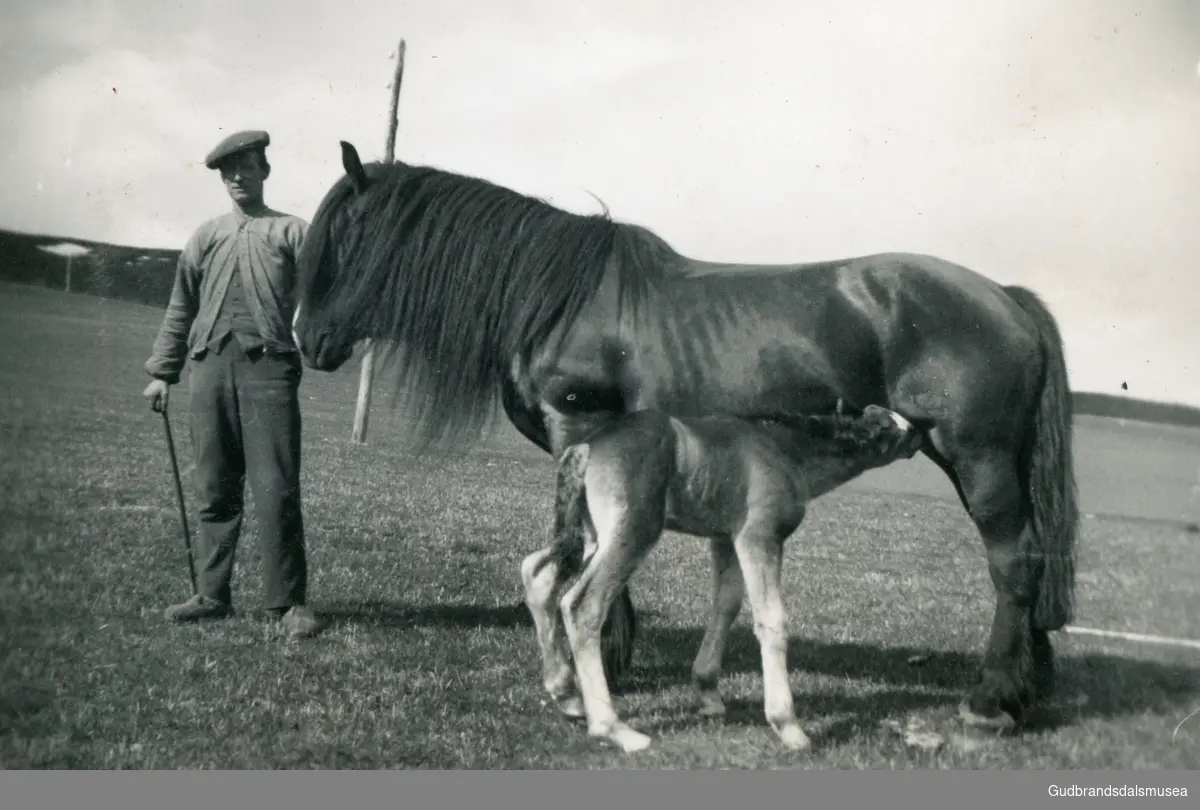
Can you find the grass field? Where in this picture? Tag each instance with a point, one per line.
(429, 664)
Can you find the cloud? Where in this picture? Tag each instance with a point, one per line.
(102, 142)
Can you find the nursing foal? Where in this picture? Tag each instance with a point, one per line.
(743, 483)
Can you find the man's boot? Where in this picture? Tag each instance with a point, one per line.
(198, 608)
(300, 622)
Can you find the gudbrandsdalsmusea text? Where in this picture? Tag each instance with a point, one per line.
(1116, 790)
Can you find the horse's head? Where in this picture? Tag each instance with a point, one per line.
(328, 321)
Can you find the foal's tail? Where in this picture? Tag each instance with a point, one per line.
(1049, 475)
(619, 632)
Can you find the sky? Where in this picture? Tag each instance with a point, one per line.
(1054, 144)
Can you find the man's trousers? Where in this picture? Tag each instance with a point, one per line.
(246, 429)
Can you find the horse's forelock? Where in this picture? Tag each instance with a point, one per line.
(332, 243)
(313, 260)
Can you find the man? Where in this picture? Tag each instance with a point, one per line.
(230, 313)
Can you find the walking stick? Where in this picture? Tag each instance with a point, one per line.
(187, 538)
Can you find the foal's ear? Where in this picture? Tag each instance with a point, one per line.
(353, 166)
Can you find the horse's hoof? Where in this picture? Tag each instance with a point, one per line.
(1001, 721)
(793, 737)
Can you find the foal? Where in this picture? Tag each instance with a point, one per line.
(744, 484)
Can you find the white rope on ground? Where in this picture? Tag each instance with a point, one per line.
(1166, 640)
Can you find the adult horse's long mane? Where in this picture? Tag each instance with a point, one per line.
(458, 276)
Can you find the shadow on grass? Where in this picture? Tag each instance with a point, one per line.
(1114, 685)
(393, 614)
(20, 703)
(857, 714)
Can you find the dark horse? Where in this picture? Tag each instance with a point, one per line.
(568, 321)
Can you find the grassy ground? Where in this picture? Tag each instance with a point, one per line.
(428, 663)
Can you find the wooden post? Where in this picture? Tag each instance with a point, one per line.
(362, 408)
(367, 371)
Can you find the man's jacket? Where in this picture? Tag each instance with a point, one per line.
(263, 248)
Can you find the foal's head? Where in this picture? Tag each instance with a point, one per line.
(871, 432)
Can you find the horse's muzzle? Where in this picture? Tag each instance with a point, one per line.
(322, 354)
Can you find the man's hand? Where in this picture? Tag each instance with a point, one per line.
(157, 392)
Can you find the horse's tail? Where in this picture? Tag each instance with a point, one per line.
(1049, 474)
(618, 635)
(570, 513)
(619, 632)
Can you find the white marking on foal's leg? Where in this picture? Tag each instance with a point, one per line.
(584, 607)
(760, 552)
(728, 592)
(582, 618)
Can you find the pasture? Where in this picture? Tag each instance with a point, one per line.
(430, 661)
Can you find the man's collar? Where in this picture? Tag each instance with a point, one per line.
(243, 216)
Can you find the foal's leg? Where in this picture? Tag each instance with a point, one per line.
(759, 547)
(543, 577)
(729, 589)
(625, 531)
(542, 590)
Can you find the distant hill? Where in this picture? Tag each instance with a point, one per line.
(1140, 410)
(146, 275)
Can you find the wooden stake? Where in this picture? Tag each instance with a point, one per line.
(367, 372)
(362, 408)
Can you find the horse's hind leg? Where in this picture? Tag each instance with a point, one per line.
(729, 589)
(1011, 677)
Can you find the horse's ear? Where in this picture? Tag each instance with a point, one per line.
(354, 167)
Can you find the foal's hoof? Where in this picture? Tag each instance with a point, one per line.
(793, 737)
(1001, 721)
(571, 707)
(711, 706)
(626, 738)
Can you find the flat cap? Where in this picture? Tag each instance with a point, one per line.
(237, 142)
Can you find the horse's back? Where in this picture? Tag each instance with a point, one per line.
(884, 288)
(851, 329)
(911, 332)
(933, 294)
